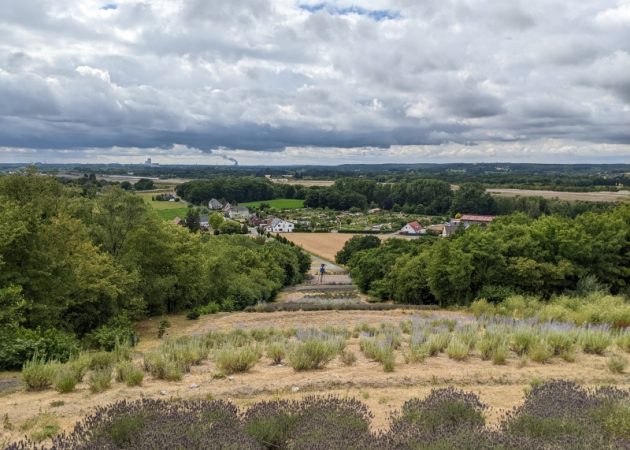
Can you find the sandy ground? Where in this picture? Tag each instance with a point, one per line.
(620, 196)
(324, 245)
(501, 387)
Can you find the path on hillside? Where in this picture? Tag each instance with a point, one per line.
(337, 286)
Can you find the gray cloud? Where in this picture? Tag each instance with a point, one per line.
(263, 75)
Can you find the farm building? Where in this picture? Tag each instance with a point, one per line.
(280, 226)
(215, 204)
(204, 222)
(237, 212)
(413, 228)
(464, 221)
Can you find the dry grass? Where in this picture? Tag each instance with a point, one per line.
(621, 196)
(500, 386)
(325, 245)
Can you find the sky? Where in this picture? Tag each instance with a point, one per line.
(309, 82)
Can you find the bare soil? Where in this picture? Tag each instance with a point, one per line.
(325, 245)
(501, 387)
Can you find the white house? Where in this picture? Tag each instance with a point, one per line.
(464, 221)
(204, 222)
(413, 228)
(238, 212)
(280, 226)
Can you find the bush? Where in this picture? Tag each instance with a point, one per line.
(457, 349)
(118, 330)
(277, 351)
(80, 365)
(39, 374)
(20, 345)
(210, 308)
(312, 354)
(540, 351)
(193, 315)
(623, 341)
(380, 349)
(100, 379)
(437, 343)
(160, 366)
(128, 373)
(594, 341)
(230, 359)
(65, 380)
(164, 324)
(102, 360)
(522, 339)
(617, 364)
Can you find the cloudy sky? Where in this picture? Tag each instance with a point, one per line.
(290, 81)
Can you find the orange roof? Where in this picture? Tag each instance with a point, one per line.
(415, 225)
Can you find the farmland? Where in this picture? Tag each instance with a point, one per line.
(620, 196)
(279, 203)
(325, 245)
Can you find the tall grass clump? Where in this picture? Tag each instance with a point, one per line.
(437, 343)
(522, 339)
(540, 351)
(277, 351)
(623, 341)
(381, 349)
(594, 340)
(65, 379)
(493, 345)
(100, 380)
(617, 364)
(162, 367)
(231, 359)
(458, 349)
(128, 373)
(102, 360)
(312, 354)
(39, 374)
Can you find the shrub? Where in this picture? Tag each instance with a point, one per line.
(20, 345)
(65, 380)
(38, 374)
(594, 341)
(500, 354)
(443, 408)
(457, 349)
(271, 423)
(129, 374)
(232, 360)
(348, 358)
(540, 351)
(193, 315)
(312, 354)
(119, 329)
(102, 360)
(164, 325)
(617, 364)
(522, 339)
(122, 351)
(100, 379)
(380, 349)
(437, 343)
(489, 343)
(160, 366)
(80, 365)
(416, 353)
(210, 308)
(277, 351)
(623, 341)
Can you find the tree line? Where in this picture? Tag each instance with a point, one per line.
(236, 189)
(72, 264)
(515, 254)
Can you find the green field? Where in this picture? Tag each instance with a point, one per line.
(165, 210)
(279, 203)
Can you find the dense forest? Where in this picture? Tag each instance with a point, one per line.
(236, 189)
(77, 266)
(516, 254)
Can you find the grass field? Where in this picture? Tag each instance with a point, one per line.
(279, 203)
(165, 210)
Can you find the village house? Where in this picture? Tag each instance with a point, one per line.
(279, 226)
(238, 213)
(464, 221)
(412, 229)
(215, 204)
(204, 222)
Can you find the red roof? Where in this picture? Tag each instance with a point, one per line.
(477, 218)
(415, 225)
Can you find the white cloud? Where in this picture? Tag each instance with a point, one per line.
(361, 77)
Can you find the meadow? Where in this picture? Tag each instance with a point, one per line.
(165, 210)
(279, 203)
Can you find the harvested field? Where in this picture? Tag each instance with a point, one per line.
(620, 196)
(310, 183)
(325, 245)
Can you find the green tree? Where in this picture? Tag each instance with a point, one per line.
(144, 184)
(473, 199)
(215, 220)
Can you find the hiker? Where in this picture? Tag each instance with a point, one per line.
(322, 271)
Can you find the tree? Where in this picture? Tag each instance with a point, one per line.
(215, 220)
(144, 184)
(356, 244)
(473, 199)
(230, 227)
(192, 220)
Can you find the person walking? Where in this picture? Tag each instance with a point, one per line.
(322, 271)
